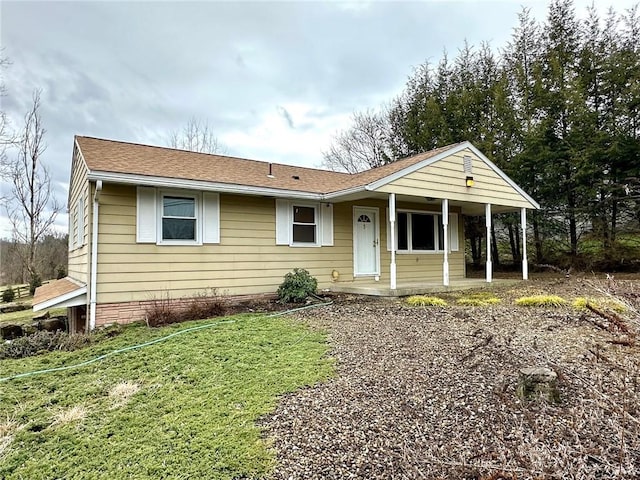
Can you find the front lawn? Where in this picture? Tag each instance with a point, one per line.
(183, 408)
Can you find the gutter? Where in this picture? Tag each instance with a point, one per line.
(152, 181)
(94, 257)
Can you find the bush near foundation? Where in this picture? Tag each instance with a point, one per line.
(297, 286)
(165, 311)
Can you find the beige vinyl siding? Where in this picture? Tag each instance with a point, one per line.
(247, 260)
(78, 266)
(446, 179)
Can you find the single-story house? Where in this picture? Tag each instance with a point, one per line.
(149, 223)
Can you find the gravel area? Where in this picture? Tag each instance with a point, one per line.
(430, 392)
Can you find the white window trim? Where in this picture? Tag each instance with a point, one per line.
(410, 251)
(197, 196)
(316, 222)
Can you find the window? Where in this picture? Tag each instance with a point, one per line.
(178, 218)
(420, 232)
(304, 224)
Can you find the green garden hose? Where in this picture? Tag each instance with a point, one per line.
(151, 342)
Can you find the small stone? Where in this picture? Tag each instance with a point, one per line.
(538, 383)
(10, 331)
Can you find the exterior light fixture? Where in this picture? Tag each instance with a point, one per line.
(469, 182)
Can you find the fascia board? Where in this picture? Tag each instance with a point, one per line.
(152, 181)
(63, 299)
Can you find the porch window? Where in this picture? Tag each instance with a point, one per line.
(420, 232)
(304, 224)
(179, 218)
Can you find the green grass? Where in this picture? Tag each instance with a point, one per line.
(26, 316)
(424, 301)
(541, 301)
(183, 408)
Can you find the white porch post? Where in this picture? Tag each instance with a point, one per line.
(392, 238)
(523, 223)
(445, 230)
(487, 215)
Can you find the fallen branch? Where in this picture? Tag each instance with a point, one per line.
(627, 342)
(482, 344)
(612, 317)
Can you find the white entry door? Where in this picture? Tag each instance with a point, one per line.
(366, 246)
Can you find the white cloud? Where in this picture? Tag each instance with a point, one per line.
(301, 145)
(136, 70)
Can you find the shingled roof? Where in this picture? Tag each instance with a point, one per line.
(112, 156)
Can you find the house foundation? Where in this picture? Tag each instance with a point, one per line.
(139, 311)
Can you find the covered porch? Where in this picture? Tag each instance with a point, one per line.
(425, 203)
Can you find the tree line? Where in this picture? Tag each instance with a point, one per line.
(557, 109)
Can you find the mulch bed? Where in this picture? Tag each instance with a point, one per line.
(430, 392)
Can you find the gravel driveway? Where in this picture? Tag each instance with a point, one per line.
(429, 392)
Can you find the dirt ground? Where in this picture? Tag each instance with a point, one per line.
(430, 392)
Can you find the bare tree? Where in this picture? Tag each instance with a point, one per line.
(31, 207)
(196, 136)
(6, 138)
(363, 146)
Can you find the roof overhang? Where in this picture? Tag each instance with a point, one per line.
(65, 292)
(166, 182)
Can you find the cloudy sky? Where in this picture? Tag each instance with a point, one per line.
(275, 80)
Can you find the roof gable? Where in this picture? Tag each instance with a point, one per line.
(444, 176)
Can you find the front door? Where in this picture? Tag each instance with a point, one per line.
(366, 246)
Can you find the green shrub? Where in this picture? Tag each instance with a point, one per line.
(541, 301)
(424, 301)
(35, 282)
(297, 286)
(9, 294)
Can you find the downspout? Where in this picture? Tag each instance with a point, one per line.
(94, 257)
